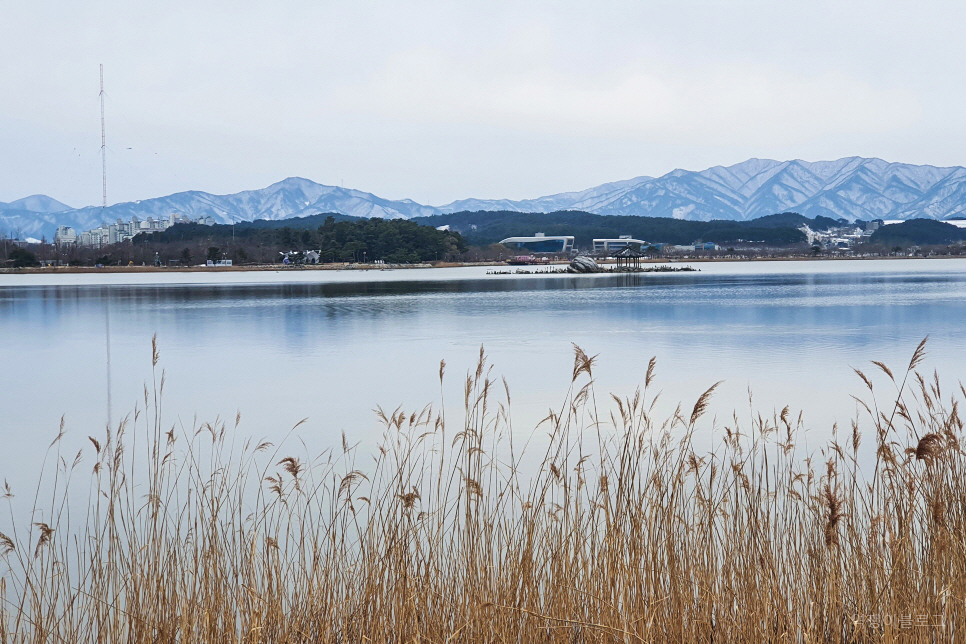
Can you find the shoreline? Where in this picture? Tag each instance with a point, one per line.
(68, 270)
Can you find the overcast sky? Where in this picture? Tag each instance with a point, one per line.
(436, 101)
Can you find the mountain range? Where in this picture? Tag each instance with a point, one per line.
(853, 188)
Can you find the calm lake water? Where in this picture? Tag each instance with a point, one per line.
(330, 346)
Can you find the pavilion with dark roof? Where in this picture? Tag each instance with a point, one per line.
(628, 257)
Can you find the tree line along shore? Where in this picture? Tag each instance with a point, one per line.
(474, 238)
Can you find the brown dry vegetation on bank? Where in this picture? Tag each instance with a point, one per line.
(277, 268)
(56, 270)
(623, 534)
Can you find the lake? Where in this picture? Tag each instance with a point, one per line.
(330, 346)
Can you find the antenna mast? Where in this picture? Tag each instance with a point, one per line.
(103, 142)
(107, 293)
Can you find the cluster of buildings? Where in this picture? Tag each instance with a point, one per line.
(842, 237)
(122, 230)
(564, 244)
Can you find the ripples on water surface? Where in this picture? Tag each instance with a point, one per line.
(330, 346)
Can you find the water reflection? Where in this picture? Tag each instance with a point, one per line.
(331, 350)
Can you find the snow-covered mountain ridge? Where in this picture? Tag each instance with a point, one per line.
(850, 188)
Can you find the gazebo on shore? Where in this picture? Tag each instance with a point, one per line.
(628, 258)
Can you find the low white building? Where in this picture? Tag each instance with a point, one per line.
(608, 245)
(541, 243)
(301, 257)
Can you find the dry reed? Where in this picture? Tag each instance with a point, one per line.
(624, 533)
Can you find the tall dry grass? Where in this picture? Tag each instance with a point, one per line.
(624, 533)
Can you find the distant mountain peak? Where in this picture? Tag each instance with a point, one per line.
(36, 203)
(296, 182)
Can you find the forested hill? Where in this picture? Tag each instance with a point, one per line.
(489, 227)
(352, 239)
(918, 231)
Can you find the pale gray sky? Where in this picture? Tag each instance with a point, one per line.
(443, 100)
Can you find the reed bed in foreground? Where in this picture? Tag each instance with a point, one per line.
(624, 532)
